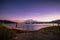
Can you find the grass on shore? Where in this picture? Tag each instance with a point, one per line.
(6, 34)
(49, 33)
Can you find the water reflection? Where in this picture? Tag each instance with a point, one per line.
(29, 27)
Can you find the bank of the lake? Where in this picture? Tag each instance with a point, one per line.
(49, 33)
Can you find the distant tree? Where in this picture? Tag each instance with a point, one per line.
(57, 21)
(16, 25)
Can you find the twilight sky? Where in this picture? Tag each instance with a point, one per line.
(40, 10)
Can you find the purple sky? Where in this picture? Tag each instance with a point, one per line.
(39, 10)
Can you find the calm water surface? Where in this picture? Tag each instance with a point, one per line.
(29, 27)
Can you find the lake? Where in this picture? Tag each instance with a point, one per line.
(29, 27)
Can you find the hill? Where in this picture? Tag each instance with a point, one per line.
(6, 21)
(49, 33)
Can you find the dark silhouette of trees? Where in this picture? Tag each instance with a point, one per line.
(56, 21)
(16, 25)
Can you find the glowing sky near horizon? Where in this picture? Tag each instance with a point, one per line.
(40, 10)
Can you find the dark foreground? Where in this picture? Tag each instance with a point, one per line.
(49, 33)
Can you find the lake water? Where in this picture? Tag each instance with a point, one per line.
(28, 27)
